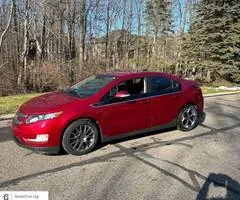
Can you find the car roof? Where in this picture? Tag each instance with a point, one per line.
(133, 74)
(127, 73)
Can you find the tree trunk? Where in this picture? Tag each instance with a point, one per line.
(23, 69)
(82, 31)
(8, 24)
(43, 45)
(139, 17)
(60, 34)
(107, 31)
(15, 28)
(26, 40)
(130, 19)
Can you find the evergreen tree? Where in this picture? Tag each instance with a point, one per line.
(213, 42)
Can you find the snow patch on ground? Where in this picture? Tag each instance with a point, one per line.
(228, 88)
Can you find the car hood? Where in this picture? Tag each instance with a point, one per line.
(50, 102)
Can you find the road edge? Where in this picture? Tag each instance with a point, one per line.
(6, 117)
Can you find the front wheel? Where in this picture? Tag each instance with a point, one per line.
(188, 118)
(80, 137)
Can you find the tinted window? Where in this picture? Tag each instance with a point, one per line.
(157, 84)
(162, 85)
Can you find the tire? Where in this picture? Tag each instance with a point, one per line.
(187, 118)
(80, 137)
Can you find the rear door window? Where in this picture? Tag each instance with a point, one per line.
(162, 85)
(176, 86)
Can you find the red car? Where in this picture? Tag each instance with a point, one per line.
(107, 106)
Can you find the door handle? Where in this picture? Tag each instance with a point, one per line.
(145, 101)
(176, 96)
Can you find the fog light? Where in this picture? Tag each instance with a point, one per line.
(40, 138)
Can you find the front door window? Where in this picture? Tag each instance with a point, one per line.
(134, 87)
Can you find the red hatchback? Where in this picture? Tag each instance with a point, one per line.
(107, 106)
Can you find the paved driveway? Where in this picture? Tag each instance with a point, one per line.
(201, 164)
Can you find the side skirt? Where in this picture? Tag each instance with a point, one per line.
(140, 132)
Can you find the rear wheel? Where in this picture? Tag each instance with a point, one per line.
(188, 118)
(80, 137)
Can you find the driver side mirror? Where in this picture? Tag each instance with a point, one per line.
(122, 94)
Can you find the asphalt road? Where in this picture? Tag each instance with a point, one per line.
(201, 164)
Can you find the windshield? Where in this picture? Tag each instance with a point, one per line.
(89, 86)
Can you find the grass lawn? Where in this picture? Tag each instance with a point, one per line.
(10, 104)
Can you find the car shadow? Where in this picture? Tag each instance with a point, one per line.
(129, 138)
(215, 182)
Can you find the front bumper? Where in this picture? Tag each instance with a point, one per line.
(30, 131)
(49, 150)
(26, 134)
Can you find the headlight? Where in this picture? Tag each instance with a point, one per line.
(36, 118)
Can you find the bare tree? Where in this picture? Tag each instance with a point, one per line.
(26, 41)
(83, 25)
(8, 24)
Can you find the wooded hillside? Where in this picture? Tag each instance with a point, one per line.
(45, 45)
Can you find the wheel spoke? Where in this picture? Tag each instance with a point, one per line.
(89, 130)
(81, 129)
(184, 121)
(85, 129)
(189, 123)
(74, 133)
(89, 133)
(193, 118)
(74, 137)
(74, 147)
(191, 115)
(185, 114)
(74, 142)
(77, 131)
(80, 145)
